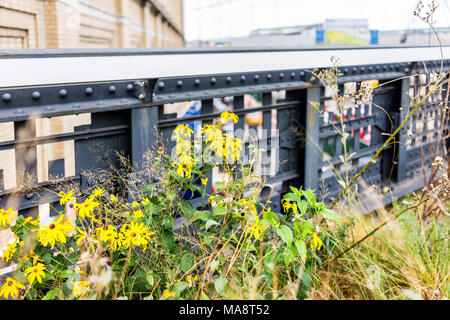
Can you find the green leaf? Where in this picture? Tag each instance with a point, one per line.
(201, 215)
(67, 273)
(180, 286)
(187, 262)
(50, 295)
(210, 223)
(330, 214)
(219, 211)
(213, 266)
(220, 285)
(288, 256)
(285, 234)
(310, 197)
(292, 197)
(302, 206)
(150, 278)
(187, 208)
(301, 249)
(271, 217)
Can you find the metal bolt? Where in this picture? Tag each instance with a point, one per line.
(179, 83)
(243, 78)
(29, 196)
(269, 77)
(161, 85)
(62, 93)
(112, 89)
(256, 77)
(88, 91)
(281, 75)
(143, 83)
(36, 95)
(228, 80)
(213, 81)
(292, 75)
(142, 96)
(6, 97)
(130, 86)
(197, 82)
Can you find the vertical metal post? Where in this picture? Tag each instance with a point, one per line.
(313, 154)
(402, 136)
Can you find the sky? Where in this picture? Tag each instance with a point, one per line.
(217, 19)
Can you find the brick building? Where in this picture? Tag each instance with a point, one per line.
(30, 24)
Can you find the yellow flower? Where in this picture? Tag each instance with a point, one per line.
(145, 202)
(31, 221)
(135, 205)
(86, 208)
(116, 241)
(81, 236)
(80, 288)
(255, 229)
(290, 205)
(9, 251)
(54, 232)
(31, 255)
(65, 197)
(135, 234)
(182, 131)
(233, 147)
(138, 214)
(114, 199)
(213, 136)
(316, 242)
(104, 233)
(212, 199)
(191, 279)
(97, 193)
(204, 181)
(35, 272)
(11, 287)
(227, 115)
(5, 217)
(168, 294)
(184, 168)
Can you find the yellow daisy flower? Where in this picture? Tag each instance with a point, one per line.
(54, 232)
(86, 208)
(316, 242)
(5, 217)
(11, 288)
(65, 197)
(97, 193)
(80, 288)
(35, 273)
(227, 115)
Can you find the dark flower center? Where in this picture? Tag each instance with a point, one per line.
(10, 283)
(52, 226)
(133, 234)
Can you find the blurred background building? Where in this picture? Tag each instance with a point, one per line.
(333, 32)
(30, 24)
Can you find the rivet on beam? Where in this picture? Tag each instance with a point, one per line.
(6, 97)
(88, 91)
(62, 93)
(36, 95)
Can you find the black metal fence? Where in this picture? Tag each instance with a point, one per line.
(123, 115)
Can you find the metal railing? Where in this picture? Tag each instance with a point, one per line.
(124, 95)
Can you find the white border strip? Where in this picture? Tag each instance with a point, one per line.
(77, 69)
